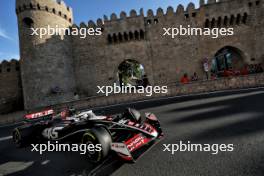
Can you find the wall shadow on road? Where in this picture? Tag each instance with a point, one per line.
(244, 127)
(241, 116)
(220, 100)
(162, 102)
(249, 104)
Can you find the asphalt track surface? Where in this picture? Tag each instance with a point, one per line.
(222, 118)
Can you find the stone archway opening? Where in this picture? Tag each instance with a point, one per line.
(131, 72)
(228, 59)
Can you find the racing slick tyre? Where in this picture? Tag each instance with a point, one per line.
(98, 136)
(23, 135)
(18, 138)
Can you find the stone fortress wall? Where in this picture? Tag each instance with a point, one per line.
(11, 97)
(139, 37)
(78, 66)
(195, 89)
(46, 63)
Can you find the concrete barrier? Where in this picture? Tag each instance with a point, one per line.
(174, 89)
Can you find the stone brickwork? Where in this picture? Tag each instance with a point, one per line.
(46, 63)
(193, 88)
(11, 97)
(77, 66)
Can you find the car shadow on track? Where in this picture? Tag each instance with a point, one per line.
(20, 162)
(107, 167)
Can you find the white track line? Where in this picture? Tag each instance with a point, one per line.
(5, 138)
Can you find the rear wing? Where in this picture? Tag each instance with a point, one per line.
(42, 115)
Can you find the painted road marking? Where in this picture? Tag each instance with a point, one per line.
(5, 138)
(13, 167)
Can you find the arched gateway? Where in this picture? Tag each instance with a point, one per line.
(228, 58)
(131, 72)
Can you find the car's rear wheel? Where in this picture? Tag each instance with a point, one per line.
(101, 139)
(24, 135)
(17, 138)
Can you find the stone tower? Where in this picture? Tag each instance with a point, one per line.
(46, 62)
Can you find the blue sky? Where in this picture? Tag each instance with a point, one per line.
(84, 10)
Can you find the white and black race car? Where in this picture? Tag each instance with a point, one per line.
(128, 134)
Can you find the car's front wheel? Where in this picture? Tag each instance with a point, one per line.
(100, 138)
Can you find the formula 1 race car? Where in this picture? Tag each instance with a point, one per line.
(128, 134)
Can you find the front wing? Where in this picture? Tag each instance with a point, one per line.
(132, 149)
